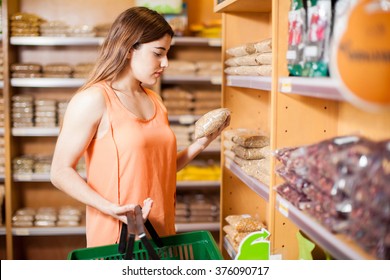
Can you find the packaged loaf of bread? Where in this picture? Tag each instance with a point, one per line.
(244, 223)
(211, 122)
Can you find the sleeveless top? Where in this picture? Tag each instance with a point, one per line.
(134, 160)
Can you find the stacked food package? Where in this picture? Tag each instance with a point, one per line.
(240, 226)
(25, 24)
(200, 170)
(250, 150)
(57, 70)
(22, 111)
(45, 114)
(250, 59)
(47, 217)
(54, 28)
(343, 183)
(184, 101)
(197, 208)
(26, 70)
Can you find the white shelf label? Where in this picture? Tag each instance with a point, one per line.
(286, 86)
(283, 207)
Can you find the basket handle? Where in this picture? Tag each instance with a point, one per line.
(135, 224)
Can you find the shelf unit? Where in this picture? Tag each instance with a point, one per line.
(32, 190)
(292, 111)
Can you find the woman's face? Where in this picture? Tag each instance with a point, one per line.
(148, 62)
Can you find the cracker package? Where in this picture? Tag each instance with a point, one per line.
(211, 122)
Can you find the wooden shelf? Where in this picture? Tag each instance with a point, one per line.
(325, 88)
(243, 6)
(217, 80)
(48, 231)
(254, 82)
(47, 82)
(97, 41)
(196, 41)
(35, 131)
(258, 187)
(183, 185)
(80, 230)
(44, 177)
(56, 41)
(185, 227)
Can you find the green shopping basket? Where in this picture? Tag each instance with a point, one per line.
(196, 245)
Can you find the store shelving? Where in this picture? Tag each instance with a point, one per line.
(293, 111)
(258, 187)
(31, 140)
(48, 231)
(254, 82)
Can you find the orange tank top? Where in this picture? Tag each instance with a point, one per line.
(134, 160)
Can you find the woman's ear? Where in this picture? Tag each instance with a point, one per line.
(129, 53)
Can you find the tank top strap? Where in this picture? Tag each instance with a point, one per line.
(156, 99)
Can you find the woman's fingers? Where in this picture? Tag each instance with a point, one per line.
(147, 207)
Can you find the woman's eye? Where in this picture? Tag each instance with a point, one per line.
(157, 54)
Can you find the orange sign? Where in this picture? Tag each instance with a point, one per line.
(361, 54)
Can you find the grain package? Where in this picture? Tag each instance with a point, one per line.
(241, 50)
(252, 153)
(259, 70)
(234, 235)
(244, 223)
(250, 60)
(249, 138)
(211, 122)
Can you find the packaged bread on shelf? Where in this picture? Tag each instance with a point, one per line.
(211, 122)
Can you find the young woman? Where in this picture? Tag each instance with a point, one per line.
(122, 129)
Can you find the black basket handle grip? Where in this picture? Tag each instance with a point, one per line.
(127, 237)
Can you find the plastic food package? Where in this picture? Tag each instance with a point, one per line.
(252, 153)
(244, 223)
(296, 37)
(236, 236)
(211, 122)
(259, 70)
(247, 137)
(250, 60)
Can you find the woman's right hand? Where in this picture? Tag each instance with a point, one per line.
(120, 211)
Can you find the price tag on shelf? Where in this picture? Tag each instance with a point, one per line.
(22, 231)
(283, 207)
(286, 86)
(187, 119)
(215, 42)
(216, 80)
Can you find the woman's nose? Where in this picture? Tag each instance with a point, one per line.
(164, 62)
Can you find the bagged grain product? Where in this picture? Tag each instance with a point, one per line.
(259, 70)
(263, 46)
(252, 153)
(241, 50)
(211, 122)
(250, 60)
(244, 223)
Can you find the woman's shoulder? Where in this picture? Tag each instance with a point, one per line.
(91, 100)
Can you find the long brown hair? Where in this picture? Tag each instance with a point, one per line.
(133, 27)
